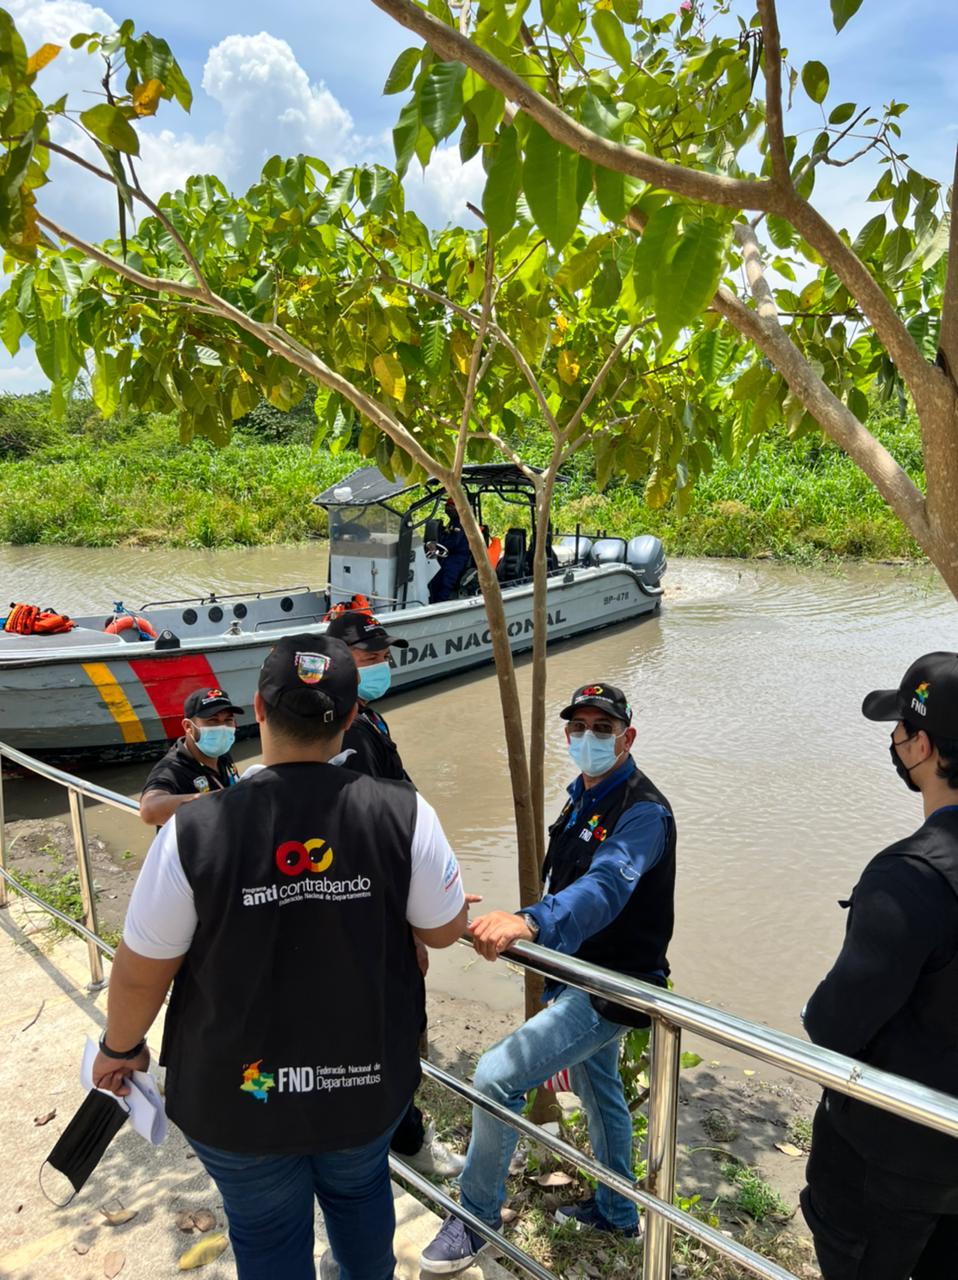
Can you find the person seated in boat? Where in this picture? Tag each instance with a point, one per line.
(197, 763)
(456, 560)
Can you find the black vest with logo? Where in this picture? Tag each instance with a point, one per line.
(920, 1041)
(294, 1022)
(636, 941)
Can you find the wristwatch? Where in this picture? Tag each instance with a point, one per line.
(121, 1057)
(532, 922)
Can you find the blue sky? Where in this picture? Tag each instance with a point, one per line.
(299, 75)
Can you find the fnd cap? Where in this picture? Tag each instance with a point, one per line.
(203, 703)
(604, 697)
(363, 632)
(310, 676)
(927, 697)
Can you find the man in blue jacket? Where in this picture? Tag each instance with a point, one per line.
(609, 879)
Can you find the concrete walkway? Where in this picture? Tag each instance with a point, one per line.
(46, 1013)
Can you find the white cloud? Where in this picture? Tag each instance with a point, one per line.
(21, 374)
(269, 106)
(440, 193)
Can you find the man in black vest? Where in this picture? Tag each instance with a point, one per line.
(608, 898)
(281, 910)
(199, 762)
(373, 752)
(882, 1194)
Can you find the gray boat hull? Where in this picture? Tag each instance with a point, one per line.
(89, 695)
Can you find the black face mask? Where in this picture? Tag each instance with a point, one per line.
(900, 768)
(83, 1142)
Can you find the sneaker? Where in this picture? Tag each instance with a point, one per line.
(586, 1214)
(435, 1158)
(454, 1248)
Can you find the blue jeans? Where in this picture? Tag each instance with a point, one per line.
(269, 1205)
(569, 1033)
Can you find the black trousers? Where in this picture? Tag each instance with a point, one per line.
(869, 1224)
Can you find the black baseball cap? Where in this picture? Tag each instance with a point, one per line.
(363, 631)
(310, 676)
(203, 703)
(927, 697)
(604, 697)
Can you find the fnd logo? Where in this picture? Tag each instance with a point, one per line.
(295, 856)
(920, 699)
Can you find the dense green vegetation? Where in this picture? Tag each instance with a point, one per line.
(88, 482)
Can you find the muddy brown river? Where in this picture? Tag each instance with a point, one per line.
(748, 689)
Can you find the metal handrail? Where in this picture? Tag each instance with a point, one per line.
(669, 1013)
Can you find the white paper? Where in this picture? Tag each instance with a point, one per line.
(147, 1112)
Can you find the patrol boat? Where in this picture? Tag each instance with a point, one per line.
(113, 687)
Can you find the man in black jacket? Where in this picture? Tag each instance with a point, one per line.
(373, 752)
(608, 898)
(882, 1194)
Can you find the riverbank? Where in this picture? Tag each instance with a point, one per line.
(133, 482)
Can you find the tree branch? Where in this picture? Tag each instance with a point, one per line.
(755, 271)
(774, 123)
(139, 194)
(272, 336)
(836, 419)
(572, 425)
(948, 341)
(474, 364)
(736, 193)
(500, 335)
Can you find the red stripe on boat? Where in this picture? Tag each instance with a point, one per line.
(169, 682)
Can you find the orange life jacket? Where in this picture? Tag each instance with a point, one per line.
(358, 604)
(28, 620)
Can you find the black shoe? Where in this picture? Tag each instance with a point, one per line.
(586, 1214)
(455, 1247)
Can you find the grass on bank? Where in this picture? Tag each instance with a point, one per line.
(591, 1255)
(86, 482)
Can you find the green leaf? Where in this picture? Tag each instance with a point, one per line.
(606, 286)
(610, 194)
(687, 286)
(612, 38)
(502, 185)
(440, 98)
(815, 80)
(843, 112)
(400, 77)
(655, 249)
(105, 384)
(900, 203)
(108, 124)
(688, 1059)
(842, 10)
(858, 403)
(433, 343)
(870, 236)
(561, 16)
(405, 133)
(576, 273)
(549, 183)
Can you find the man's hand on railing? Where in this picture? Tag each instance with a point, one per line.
(496, 932)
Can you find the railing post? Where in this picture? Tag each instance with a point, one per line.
(666, 1043)
(4, 900)
(82, 846)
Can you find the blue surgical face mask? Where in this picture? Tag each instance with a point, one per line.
(594, 756)
(374, 681)
(215, 741)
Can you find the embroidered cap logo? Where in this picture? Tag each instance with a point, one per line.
(311, 667)
(919, 701)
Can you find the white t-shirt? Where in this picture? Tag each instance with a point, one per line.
(161, 918)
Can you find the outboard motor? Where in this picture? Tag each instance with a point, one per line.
(646, 558)
(608, 551)
(565, 548)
